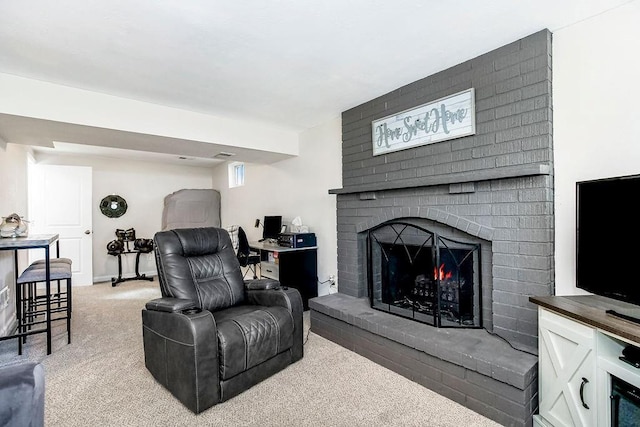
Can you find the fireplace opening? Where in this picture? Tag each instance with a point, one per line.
(418, 274)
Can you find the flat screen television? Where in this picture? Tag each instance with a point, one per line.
(608, 237)
(271, 227)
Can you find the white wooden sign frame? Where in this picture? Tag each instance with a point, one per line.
(451, 117)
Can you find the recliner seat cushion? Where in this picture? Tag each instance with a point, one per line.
(250, 335)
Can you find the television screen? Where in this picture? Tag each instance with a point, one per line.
(271, 226)
(608, 236)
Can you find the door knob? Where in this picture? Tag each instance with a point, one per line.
(87, 232)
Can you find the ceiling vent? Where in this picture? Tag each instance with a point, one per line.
(223, 155)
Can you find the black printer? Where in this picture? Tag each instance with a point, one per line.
(297, 240)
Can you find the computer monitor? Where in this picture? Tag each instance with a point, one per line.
(271, 226)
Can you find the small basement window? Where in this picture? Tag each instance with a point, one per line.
(236, 174)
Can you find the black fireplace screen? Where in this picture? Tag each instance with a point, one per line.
(415, 273)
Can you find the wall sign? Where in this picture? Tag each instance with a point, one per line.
(446, 118)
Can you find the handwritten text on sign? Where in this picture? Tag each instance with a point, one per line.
(446, 118)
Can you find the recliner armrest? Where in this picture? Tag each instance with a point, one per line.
(181, 352)
(290, 299)
(284, 297)
(257, 284)
(172, 305)
(22, 393)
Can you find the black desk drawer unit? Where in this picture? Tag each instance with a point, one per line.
(293, 267)
(299, 269)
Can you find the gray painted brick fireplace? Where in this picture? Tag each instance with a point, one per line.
(494, 187)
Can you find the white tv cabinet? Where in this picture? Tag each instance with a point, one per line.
(579, 348)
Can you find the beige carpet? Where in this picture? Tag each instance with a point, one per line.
(100, 379)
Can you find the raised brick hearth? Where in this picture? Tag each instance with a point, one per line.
(470, 367)
(495, 188)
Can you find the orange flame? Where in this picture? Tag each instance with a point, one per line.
(439, 273)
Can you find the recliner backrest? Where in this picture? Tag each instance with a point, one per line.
(199, 264)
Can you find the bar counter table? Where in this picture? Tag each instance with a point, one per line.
(41, 241)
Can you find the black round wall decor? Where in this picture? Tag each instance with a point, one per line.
(113, 206)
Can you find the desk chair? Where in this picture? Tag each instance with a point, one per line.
(245, 256)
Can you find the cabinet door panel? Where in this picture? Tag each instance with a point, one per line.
(567, 361)
(299, 269)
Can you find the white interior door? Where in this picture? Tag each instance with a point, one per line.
(60, 203)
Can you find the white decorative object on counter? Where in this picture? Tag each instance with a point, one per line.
(14, 226)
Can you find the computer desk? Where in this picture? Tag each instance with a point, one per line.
(292, 267)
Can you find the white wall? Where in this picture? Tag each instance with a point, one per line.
(143, 186)
(294, 187)
(596, 116)
(33, 98)
(13, 199)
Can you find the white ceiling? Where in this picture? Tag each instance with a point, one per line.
(291, 63)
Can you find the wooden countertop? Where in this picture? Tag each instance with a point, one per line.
(591, 309)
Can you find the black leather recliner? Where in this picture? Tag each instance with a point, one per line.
(212, 335)
(22, 389)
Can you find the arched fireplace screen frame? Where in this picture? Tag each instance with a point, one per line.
(408, 266)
